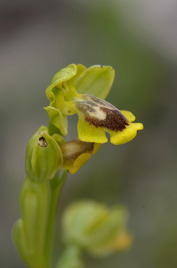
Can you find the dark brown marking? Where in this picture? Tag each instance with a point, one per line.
(114, 120)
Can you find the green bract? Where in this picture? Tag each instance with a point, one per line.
(43, 156)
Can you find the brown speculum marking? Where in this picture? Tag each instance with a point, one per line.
(114, 120)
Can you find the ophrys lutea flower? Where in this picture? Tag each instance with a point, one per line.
(80, 90)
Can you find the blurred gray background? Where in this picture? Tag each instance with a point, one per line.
(137, 38)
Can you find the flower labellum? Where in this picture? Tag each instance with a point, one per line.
(101, 113)
(99, 116)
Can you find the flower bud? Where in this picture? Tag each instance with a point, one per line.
(43, 156)
(96, 228)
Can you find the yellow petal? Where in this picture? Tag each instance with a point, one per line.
(82, 159)
(76, 153)
(90, 133)
(96, 147)
(126, 135)
(78, 163)
(130, 117)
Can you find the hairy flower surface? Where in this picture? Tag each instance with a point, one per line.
(80, 90)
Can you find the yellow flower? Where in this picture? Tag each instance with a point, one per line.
(76, 153)
(71, 84)
(80, 90)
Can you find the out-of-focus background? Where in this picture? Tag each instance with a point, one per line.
(137, 38)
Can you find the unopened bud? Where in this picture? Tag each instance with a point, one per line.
(43, 156)
(96, 228)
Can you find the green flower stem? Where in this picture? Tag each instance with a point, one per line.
(56, 185)
(71, 258)
(34, 232)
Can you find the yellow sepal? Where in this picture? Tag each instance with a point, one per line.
(74, 166)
